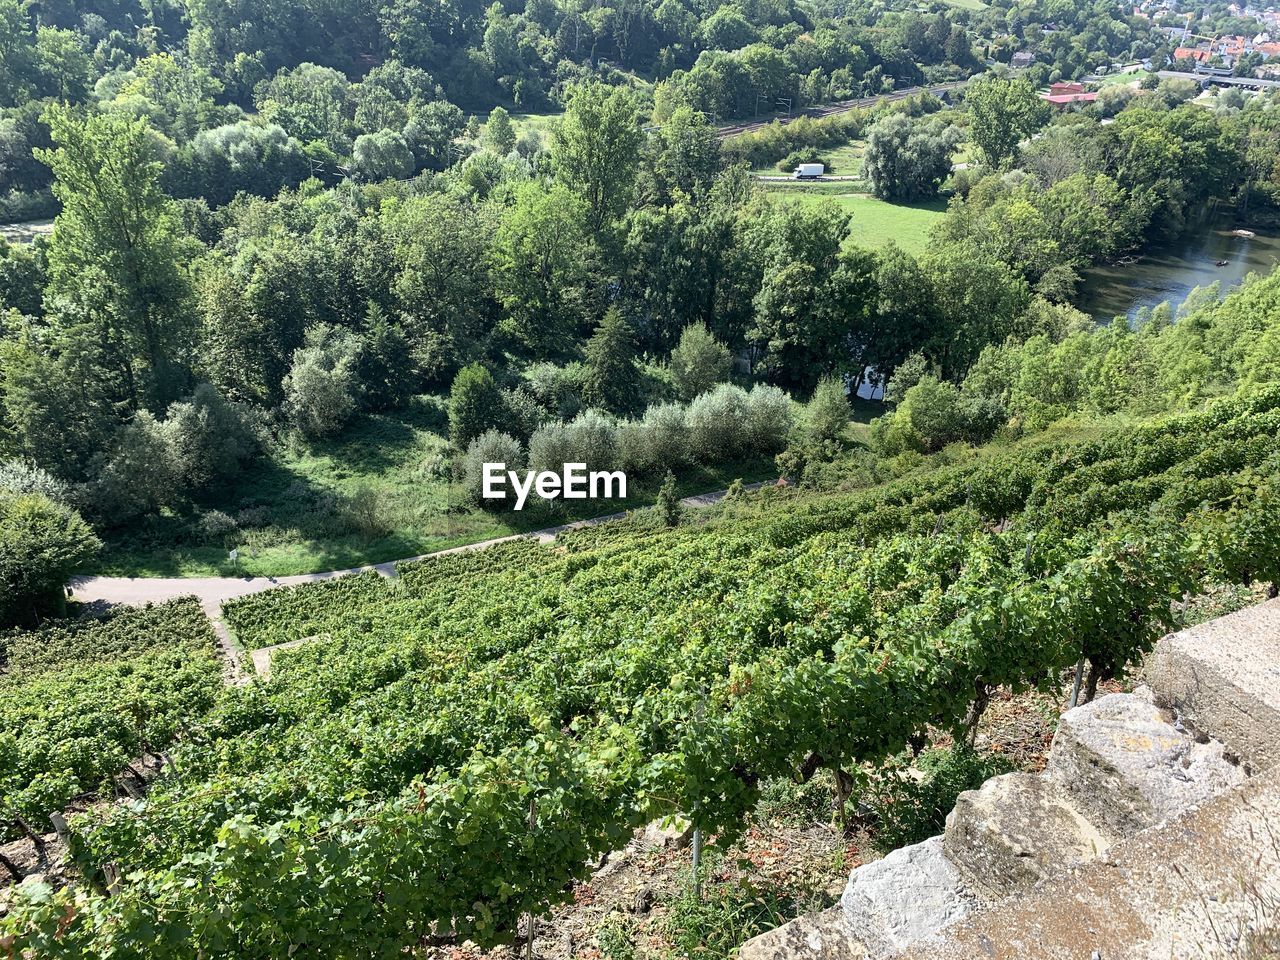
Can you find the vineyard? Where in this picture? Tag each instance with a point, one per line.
(78, 701)
(453, 748)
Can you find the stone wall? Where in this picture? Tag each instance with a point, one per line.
(1153, 833)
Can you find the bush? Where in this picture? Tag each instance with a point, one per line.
(768, 420)
(475, 405)
(139, 475)
(17, 476)
(827, 414)
(803, 155)
(322, 389)
(209, 438)
(668, 505)
(524, 414)
(558, 389)
(591, 439)
(909, 810)
(491, 446)
(41, 544)
(666, 436)
(216, 528)
(715, 424)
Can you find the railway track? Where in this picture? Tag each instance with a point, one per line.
(842, 106)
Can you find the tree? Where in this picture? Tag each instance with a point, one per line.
(612, 381)
(116, 258)
(499, 134)
(669, 506)
(595, 149)
(538, 268)
(683, 156)
(41, 544)
(211, 438)
(908, 158)
(311, 103)
(386, 364)
(1003, 112)
(236, 157)
(382, 156)
(439, 246)
(475, 405)
(699, 362)
(827, 415)
(322, 391)
(928, 418)
(17, 53)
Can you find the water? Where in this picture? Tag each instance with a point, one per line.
(1170, 271)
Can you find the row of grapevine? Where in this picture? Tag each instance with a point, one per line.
(377, 788)
(79, 700)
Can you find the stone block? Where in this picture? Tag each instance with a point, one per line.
(1223, 678)
(1016, 830)
(905, 898)
(818, 935)
(1126, 766)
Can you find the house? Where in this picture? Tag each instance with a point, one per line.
(1022, 59)
(1062, 101)
(1063, 88)
(1192, 53)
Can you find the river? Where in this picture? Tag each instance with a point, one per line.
(1170, 271)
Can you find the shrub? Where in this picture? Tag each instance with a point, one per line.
(139, 474)
(715, 424)
(491, 446)
(666, 436)
(591, 439)
(209, 437)
(558, 389)
(216, 528)
(668, 505)
(803, 155)
(768, 419)
(827, 414)
(909, 810)
(523, 413)
(41, 544)
(475, 405)
(17, 476)
(322, 389)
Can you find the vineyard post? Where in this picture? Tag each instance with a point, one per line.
(60, 827)
(1075, 687)
(697, 804)
(697, 859)
(530, 920)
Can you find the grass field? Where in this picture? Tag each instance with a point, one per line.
(875, 222)
(966, 4)
(379, 492)
(844, 160)
(1129, 77)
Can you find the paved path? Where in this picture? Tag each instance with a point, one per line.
(215, 591)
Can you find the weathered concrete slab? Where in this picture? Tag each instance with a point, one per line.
(905, 898)
(1223, 677)
(1126, 766)
(816, 935)
(1016, 830)
(1198, 886)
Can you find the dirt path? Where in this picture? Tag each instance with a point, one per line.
(212, 592)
